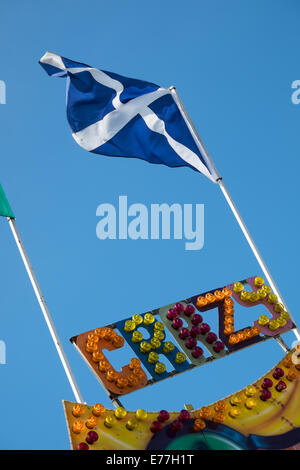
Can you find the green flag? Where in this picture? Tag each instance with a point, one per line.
(5, 209)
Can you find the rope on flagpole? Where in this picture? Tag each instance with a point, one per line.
(230, 202)
(45, 311)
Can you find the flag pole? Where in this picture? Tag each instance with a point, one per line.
(218, 179)
(45, 311)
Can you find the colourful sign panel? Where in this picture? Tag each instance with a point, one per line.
(187, 323)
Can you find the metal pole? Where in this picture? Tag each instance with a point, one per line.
(45, 311)
(218, 179)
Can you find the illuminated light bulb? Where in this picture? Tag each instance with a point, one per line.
(138, 319)
(109, 421)
(228, 321)
(220, 406)
(227, 292)
(109, 334)
(244, 295)
(129, 325)
(98, 409)
(139, 373)
(228, 302)
(153, 357)
(159, 368)
(273, 325)
(235, 400)
(159, 326)
(233, 340)
(132, 380)
(240, 336)
(199, 425)
(219, 417)
(104, 366)
(262, 293)
(250, 403)
(228, 330)
(91, 347)
(285, 315)
(91, 422)
(159, 335)
(135, 363)
(291, 375)
(255, 331)
(141, 414)
(145, 347)
(78, 426)
(281, 321)
(92, 338)
(118, 341)
(259, 281)
(155, 343)
(136, 337)
(266, 288)
(77, 410)
(254, 297)
(180, 358)
(122, 382)
(210, 298)
(111, 375)
(149, 319)
(234, 412)
(247, 333)
(219, 295)
(120, 412)
(278, 308)
(228, 311)
(98, 332)
(201, 301)
(131, 424)
(272, 298)
(168, 347)
(250, 391)
(97, 356)
(287, 362)
(263, 320)
(204, 412)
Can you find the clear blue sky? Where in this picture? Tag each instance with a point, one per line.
(233, 64)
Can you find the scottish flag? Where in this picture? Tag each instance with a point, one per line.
(122, 117)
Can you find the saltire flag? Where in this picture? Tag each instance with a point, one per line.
(118, 116)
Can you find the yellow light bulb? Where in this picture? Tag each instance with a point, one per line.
(141, 414)
(259, 281)
(120, 412)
